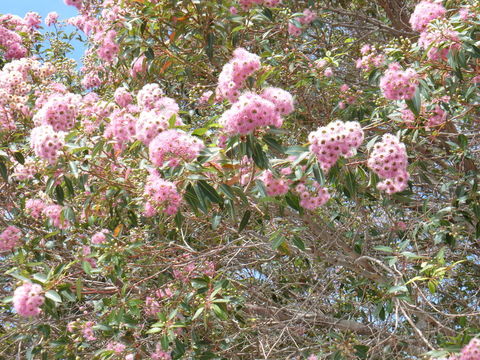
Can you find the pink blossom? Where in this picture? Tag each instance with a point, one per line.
(274, 186)
(336, 139)
(328, 72)
(294, 30)
(76, 3)
(235, 72)
(161, 193)
(425, 12)
(397, 84)
(116, 347)
(9, 238)
(312, 196)
(174, 145)
(389, 161)
(252, 111)
(471, 351)
(27, 299)
(33, 20)
(47, 143)
(51, 18)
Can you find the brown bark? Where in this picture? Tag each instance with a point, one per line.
(398, 12)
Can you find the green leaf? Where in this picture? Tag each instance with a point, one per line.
(19, 157)
(154, 330)
(198, 313)
(293, 201)
(361, 351)
(415, 104)
(298, 243)
(40, 277)
(149, 54)
(245, 219)
(277, 240)
(209, 46)
(78, 288)
(53, 295)
(87, 267)
(227, 190)
(219, 312)
(59, 194)
(209, 191)
(3, 171)
(318, 174)
(399, 288)
(97, 148)
(69, 186)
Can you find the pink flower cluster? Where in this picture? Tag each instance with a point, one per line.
(389, 161)
(466, 13)
(425, 12)
(27, 299)
(161, 193)
(282, 100)
(436, 116)
(51, 18)
(151, 123)
(116, 347)
(294, 30)
(235, 72)
(439, 42)
(152, 303)
(193, 269)
(9, 238)
(60, 111)
(397, 84)
(159, 354)
(121, 127)
(312, 199)
(32, 20)
(25, 171)
(205, 97)
(77, 3)
(173, 146)
(336, 139)
(87, 331)
(122, 97)
(250, 112)
(47, 143)
(471, 351)
(54, 213)
(148, 96)
(10, 41)
(86, 328)
(274, 186)
(138, 66)
(35, 207)
(16, 84)
(348, 96)
(245, 170)
(109, 48)
(86, 251)
(99, 237)
(306, 19)
(247, 4)
(155, 117)
(370, 58)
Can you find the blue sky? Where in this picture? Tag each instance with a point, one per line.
(43, 7)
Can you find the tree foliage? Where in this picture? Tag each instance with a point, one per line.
(157, 229)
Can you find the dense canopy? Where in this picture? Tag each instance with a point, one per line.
(241, 179)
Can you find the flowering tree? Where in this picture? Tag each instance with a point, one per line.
(260, 179)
